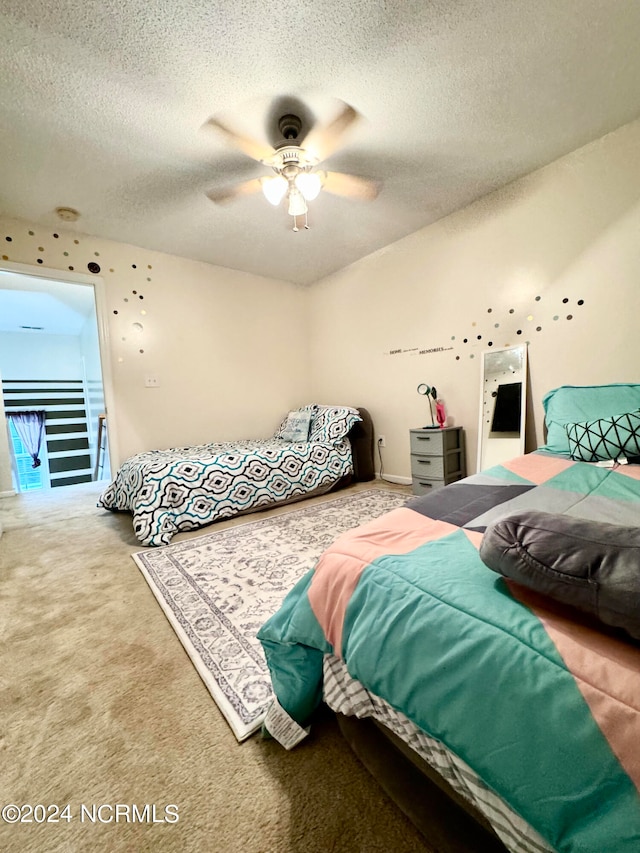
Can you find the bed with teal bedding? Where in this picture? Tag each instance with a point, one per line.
(537, 698)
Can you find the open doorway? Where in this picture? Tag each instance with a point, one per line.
(52, 341)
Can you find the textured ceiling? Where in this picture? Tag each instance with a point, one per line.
(102, 104)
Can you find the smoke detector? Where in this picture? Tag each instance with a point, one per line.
(67, 214)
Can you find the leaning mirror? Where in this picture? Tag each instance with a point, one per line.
(503, 401)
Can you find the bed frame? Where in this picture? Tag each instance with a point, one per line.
(447, 820)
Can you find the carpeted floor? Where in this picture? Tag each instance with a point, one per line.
(100, 705)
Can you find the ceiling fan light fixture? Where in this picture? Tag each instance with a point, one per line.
(297, 203)
(274, 189)
(309, 184)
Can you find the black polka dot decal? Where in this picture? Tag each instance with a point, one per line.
(93, 267)
(514, 315)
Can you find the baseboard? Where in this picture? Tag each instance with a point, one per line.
(393, 478)
(11, 493)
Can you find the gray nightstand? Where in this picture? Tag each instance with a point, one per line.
(437, 458)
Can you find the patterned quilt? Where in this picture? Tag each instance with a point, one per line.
(184, 488)
(542, 702)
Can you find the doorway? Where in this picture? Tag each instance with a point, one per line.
(54, 359)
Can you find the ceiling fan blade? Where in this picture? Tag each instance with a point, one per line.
(350, 186)
(222, 195)
(321, 142)
(251, 147)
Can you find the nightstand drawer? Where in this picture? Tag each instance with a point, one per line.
(431, 467)
(424, 487)
(427, 442)
(437, 458)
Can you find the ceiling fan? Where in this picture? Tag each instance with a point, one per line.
(295, 160)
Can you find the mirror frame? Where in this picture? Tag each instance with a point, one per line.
(522, 348)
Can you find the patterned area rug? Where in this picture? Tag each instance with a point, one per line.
(217, 591)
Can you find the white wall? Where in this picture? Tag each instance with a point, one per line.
(33, 355)
(6, 480)
(229, 349)
(567, 232)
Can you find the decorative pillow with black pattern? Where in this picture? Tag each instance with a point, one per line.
(332, 423)
(605, 438)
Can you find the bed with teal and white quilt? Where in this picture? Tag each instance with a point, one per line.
(184, 488)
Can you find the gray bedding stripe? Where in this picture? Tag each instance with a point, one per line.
(347, 696)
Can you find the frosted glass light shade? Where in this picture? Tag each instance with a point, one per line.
(274, 189)
(309, 184)
(297, 204)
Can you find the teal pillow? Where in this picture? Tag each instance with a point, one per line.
(606, 438)
(571, 404)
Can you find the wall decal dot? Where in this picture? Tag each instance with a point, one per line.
(97, 254)
(473, 324)
(472, 355)
(496, 325)
(134, 292)
(479, 337)
(31, 233)
(137, 326)
(115, 311)
(489, 343)
(71, 268)
(465, 340)
(555, 317)
(39, 260)
(41, 248)
(538, 298)
(457, 358)
(565, 300)
(489, 310)
(133, 266)
(93, 267)
(453, 337)
(519, 332)
(148, 279)
(141, 296)
(5, 257)
(8, 239)
(538, 328)
(55, 236)
(77, 242)
(66, 254)
(580, 301)
(124, 339)
(149, 267)
(143, 311)
(125, 299)
(111, 269)
(569, 316)
(530, 317)
(141, 350)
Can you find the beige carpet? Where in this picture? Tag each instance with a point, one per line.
(99, 704)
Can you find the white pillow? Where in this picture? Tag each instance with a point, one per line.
(296, 427)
